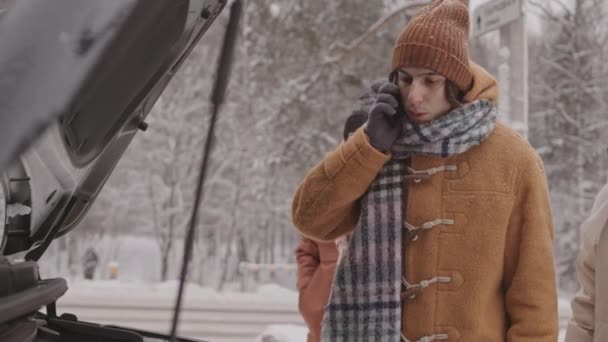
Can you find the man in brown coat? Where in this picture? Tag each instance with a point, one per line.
(452, 236)
(317, 263)
(590, 305)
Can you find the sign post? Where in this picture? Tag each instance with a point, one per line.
(507, 16)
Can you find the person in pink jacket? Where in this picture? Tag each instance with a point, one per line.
(317, 262)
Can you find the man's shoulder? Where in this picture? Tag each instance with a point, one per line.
(511, 148)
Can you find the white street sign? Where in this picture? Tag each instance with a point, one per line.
(494, 14)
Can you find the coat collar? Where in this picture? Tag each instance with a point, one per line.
(485, 86)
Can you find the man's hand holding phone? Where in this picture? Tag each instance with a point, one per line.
(385, 116)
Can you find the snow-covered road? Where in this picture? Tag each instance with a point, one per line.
(207, 314)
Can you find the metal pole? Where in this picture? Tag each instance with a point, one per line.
(514, 38)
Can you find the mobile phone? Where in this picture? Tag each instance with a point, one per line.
(400, 116)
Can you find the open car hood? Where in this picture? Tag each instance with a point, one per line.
(77, 80)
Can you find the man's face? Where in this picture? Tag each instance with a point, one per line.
(423, 94)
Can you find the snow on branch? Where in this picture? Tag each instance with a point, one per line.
(379, 24)
(596, 126)
(551, 15)
(573, 76)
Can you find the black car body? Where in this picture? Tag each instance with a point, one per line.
(77, 80)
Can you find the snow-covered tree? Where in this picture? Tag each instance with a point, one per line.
(569, 114)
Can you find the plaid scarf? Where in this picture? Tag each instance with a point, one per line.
(365, 301)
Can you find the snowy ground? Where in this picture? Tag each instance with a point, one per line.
(267, 315)
(271, 310)
(564, 314)
(137, 260)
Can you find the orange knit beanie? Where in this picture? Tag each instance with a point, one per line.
(437, 38)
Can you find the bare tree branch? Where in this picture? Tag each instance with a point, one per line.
(344, 49)
(575, 77)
